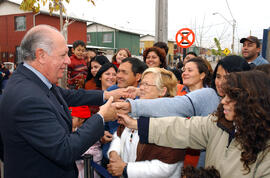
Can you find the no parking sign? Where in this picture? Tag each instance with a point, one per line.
(185, 37)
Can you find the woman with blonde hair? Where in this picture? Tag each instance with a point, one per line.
(130, 158)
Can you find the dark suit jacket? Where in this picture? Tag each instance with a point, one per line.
(36, 128)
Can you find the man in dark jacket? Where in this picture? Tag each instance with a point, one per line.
(35, 123)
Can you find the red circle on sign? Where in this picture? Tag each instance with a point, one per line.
(185, 37)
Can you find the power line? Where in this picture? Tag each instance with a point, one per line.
(229, 9)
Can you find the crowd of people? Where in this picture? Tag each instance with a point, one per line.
(137, 118)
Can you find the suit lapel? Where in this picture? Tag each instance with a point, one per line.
(58, 102)
(62, 105)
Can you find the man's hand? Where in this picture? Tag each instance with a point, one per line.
(108, 111)
(116, 166)
(106, 138)
(117, 94)
(127, 121)
(122, 107)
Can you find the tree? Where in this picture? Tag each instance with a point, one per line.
(54, 6)
(217, 52)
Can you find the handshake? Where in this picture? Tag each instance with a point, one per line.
(116, 108)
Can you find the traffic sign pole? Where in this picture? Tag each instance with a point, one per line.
(185, 41)
(184, 53)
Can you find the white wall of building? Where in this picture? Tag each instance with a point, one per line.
(8, 8)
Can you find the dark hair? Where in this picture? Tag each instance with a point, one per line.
(161, 54)
(230, 64)
(192, 172)
(264, 68)
(192, 53)
(78, 43)
(93, 50)
(251, 93)
(137, 65)
(202, 68)
(162, 45)
(125, 49)
(179, 65)
(208, 65)
(177, 73)
(99, 59)
(103, 69)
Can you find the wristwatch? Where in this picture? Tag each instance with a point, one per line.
(125, 172)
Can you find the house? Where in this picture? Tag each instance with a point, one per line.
(147, 41)
(111, 37)
(14, 23)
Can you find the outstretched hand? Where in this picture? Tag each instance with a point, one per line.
(117, 94)
(127, 121)
(122, 107)
(132, 92)
(108, 111)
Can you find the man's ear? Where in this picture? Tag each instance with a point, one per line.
(258, 50)
(72, 50)
(138, 77)
(40, 55)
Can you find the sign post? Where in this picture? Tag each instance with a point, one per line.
(184, 38)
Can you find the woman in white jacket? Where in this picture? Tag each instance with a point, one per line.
(127, 157)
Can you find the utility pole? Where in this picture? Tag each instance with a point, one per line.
(233, 25)
(161, 26)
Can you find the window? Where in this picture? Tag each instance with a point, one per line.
(88, 38)
(107, 38)
(20, 23)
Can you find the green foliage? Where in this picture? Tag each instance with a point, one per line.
(217, 52)
(54, 5)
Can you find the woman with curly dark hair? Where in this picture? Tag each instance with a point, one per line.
(245, 112)
(236, 137)
(155, 57)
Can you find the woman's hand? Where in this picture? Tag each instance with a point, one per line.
(127, 121)
(117, 165)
